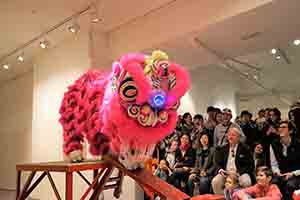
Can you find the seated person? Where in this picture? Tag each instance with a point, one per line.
(284, 160)
(201, 175)
(163, 171)
(262, 190)
(170, 154)
(234, 157)
(184, 161)
(231, 185)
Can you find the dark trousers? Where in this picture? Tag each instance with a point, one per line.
(287, 187)
(179, 177)
(201, 183)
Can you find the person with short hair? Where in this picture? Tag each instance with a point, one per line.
(262, 190)
(234, 157)
(221, 130)
(285, 160)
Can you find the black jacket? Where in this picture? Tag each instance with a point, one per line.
(244, 159)
(186, 160)
(290, 162)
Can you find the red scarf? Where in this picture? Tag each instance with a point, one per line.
(184, 147)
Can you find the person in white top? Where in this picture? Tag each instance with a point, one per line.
(235, 157)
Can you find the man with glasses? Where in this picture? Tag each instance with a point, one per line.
(235, 157)
(285, 160)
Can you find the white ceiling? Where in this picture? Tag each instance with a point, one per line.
(277, 24)
(22, 21)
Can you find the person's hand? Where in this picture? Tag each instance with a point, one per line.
(277, 174)
(287, 175)
(192, 176)
(186, 168)
(258, 149)
(222, 172)
(203, 173)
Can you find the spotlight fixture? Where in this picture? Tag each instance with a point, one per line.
(278, 57)
(296, 42)
(95, 20)
(5, 66)
(44, 44)
(273, 51)
(20, 58)
(74, 28)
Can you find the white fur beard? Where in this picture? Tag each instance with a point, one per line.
(134, 158)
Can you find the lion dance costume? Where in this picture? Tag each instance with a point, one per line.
(126, 112)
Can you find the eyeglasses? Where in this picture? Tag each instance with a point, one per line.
(283, 127)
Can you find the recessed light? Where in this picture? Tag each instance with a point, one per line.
(297, 42)
(273, 51)
(5, 66)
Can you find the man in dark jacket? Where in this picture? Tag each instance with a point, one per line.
(235, 157)
(284, 160)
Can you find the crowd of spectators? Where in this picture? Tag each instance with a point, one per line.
(242, 158)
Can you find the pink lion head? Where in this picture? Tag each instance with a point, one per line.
(126, 112)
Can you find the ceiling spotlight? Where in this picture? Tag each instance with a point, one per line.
(20, 58)
(44, 44)
(74, 28)
(278, 57)
(296, 42)
(273, 51)
(5, 66)
(95, 20)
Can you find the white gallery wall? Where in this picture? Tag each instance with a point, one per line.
(211, 86)
(255, 103)
(15, 126)
(53, 72)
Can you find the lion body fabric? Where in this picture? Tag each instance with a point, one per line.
(131, 108)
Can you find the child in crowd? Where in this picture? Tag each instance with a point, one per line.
(262, 190)
(163, 171)
(231, 185)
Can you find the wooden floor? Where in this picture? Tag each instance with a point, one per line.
(7, 195)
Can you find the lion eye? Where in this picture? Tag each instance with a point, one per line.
(128, 90)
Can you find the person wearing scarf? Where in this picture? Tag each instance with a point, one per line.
(184, 161)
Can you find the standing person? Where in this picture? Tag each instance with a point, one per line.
(260, 120)
(249, 128)
(210, 122)
(221, 130)
(219, 116)
(198, 122)
(170, 155)
(234, 157)
(187, 123)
